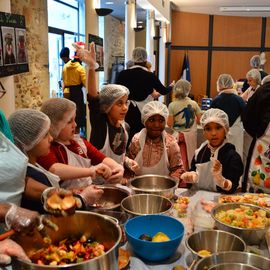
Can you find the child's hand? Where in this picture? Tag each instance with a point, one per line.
(88, 57)
(117, 175)
(217, 167)
(132, 164)
(103, 170)
(190, 177)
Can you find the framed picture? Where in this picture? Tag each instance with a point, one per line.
(13, 49)
(9, 50)
(21, 45)
(1, 53)
(99, 50)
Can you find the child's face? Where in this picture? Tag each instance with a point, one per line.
(67, 133)
(154, 126)
(119, 109)
(214, 133)
(43, 147)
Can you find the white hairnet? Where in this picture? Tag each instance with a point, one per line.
(181, 89)
(28, 127)
(56, 109)
(152, 108)
(110, 94)
(225, 81)
(216, 116)
(139, 55)
(255, 74)
(266, 79)
(255, 61)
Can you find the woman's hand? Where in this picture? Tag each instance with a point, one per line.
(190, 177)
(91, 194)
(117, 175)
(8, 249)
(102, 170)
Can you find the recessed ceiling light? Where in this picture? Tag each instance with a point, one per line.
(109, 3)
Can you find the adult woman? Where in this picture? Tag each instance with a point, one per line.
(256, 123)
(234, 106)
(184, 114)
(254, 80)
(141, 84)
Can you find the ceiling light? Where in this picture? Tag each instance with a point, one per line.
(244, 9)
(109, 3)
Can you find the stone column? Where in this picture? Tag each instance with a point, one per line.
(150, 33)
(130, 24)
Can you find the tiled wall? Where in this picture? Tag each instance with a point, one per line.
(32, 87)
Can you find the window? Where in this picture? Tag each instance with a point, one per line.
(66, 25)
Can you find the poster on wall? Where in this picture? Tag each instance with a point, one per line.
(13, 52)
(99, 50)
(1, 55)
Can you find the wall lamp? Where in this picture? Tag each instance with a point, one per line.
(103, 11)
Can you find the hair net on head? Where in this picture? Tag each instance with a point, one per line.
(266, 79)
(255, 61)
(225, 81)
(181, 89)
(217, 116)
(56, 109)
(139, 55)
(110, 94)
(28, 127)
(255, 74)
(152, 108)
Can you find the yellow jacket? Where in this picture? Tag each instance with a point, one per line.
(73, 74)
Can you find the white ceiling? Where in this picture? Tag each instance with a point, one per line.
(212, 6)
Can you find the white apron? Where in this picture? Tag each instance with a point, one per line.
(191, 142)
(13, 165)
(161, 168)
(236, 136)
(259, 169)
(205, 178)
(77, 161)
(53, 178)
(107, 151)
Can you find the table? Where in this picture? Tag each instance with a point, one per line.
(182, 255)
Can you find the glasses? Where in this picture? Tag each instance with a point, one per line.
(2, 90)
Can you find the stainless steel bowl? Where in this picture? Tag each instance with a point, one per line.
(250, 259)
(101, 228)
(213, 241)
(233, 266)
(111, 198)
(250, 236)
(154, 184)
(145, 204)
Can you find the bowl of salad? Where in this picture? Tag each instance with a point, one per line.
(249, 222)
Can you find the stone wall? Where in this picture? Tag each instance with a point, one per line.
(32, 87)
(114, 43)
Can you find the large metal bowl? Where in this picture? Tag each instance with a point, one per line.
(101, 228)
(233, 266)
(237, 257)
(111, 198)
(146, 204)
(250, 236)
(154, 184)
(213, 241)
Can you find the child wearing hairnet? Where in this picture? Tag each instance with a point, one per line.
(184, 113)
(216, 165)
(156, 151)
(71, 156)
(30, 129)
(108, 108)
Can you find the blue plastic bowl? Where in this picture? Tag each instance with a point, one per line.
(152, 224)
